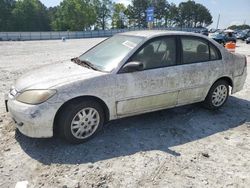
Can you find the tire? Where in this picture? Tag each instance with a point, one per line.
(217, 95)
(80, 120)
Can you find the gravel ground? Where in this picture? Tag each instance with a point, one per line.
(181, 147)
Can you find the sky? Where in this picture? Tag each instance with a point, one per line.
(231, 12)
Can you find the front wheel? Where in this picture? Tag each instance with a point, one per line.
(81, 120)
(217, 95)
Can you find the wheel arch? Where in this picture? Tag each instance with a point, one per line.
(80, 98)
(225, 78)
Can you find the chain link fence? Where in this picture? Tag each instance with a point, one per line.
(55, 35)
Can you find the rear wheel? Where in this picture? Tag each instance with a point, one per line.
(217, 95)
(79, 121)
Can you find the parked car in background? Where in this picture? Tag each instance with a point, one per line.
(128, 74)
(247, 32)
(204, 32)
(241, 35)
(213, 30)
(230, 36)
(248, 40)
(218, 37)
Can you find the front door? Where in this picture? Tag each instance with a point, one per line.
(156, 86)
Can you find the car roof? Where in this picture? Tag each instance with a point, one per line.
(155, 33)
(149, 34)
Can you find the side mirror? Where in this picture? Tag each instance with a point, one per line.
(132, 67)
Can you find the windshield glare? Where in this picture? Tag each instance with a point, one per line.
(108, 54)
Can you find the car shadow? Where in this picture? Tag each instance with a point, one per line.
(153, 131)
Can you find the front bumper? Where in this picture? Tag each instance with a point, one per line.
(32, 120)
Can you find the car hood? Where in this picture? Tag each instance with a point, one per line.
(51, 75)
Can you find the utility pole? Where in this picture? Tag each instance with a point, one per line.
(218, 22)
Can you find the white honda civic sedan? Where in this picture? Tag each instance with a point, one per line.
(128, 74)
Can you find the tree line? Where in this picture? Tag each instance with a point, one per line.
(239, 27)
(78, 15)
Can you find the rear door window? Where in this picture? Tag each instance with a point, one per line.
(194, 50)
(214, 53)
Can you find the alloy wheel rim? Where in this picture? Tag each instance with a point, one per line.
(219, 95)
(85, 123)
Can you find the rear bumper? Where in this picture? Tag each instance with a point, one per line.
(239, 81)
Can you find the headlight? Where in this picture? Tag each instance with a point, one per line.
(35, 96)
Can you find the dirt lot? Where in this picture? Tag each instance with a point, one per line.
(182, 147)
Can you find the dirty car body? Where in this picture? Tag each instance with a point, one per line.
(146, 71)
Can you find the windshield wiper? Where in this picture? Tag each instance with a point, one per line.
(84, 63)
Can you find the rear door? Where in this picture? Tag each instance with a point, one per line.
(201, 65)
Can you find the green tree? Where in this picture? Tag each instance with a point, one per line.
(186, 13)
(137, 12)
(172, 15)
(160, 9)
(240, 27)
(129, 15)
(30, 15)
(191, 14)
(118, 17)
(103, 10)
(6, 7)
(202, 17)
(52, 14)
(74, 15)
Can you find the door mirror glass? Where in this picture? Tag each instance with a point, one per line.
(132, 67)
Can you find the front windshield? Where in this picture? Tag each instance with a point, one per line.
(107, 55)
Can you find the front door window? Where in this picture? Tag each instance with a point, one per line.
(157, 53)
